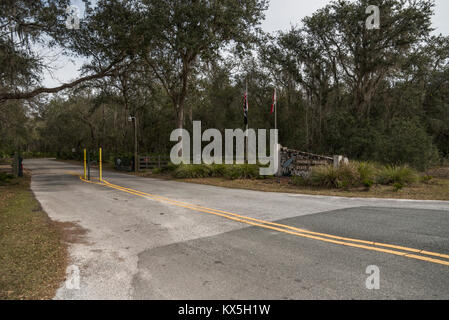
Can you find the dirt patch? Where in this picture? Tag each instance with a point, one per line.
(72, 232)
(442, 172)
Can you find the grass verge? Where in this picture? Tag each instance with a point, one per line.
(437, 189)
(434, 188)
(33, 254)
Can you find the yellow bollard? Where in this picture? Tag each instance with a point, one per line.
(85, 159)
(101, 167)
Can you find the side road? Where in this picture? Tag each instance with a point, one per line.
(136, 247)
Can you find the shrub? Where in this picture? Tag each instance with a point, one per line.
(403, 175)
(232, 172)
(300, 181)
(407, 142)
(426, 179)
(345, 176)
(367, 174)
(156, 171)
(398, 186)
(192, 172)
(5, 177)
(324, 176)
(348, 176)
(242, 171)
(218, 170)
(169, 168)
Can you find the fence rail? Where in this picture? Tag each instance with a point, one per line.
(152, 162)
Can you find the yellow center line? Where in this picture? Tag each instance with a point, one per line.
(368, 245)
(289, 227)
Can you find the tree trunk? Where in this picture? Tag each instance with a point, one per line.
(180, 121)
(180, 115)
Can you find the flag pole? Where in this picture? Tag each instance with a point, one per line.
(247, 121)
(275, 109)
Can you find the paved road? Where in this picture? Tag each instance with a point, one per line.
(137, 247)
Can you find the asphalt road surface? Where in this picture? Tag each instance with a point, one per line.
(169, 240)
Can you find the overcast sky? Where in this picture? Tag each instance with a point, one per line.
(281, 15)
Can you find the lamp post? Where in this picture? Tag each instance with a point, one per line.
(136, 160)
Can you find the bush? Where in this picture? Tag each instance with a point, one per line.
(324, 176)
(169, 168)
(426, 179)
(407, 142)
(348, 176)
(242, 171)
(300, 181)
(390, 175)
(232, 172)
(218, 170)
(367, 174)
(345, 176)
(156, 171)
(192, 172)
(5, 177)
(360, 174)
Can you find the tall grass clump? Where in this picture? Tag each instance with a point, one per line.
(399, 175)
(192, 172)
(346, 176)
(242, 171)
(323, 176)
(367, 174)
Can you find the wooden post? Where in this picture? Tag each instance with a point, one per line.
(101, 167)
(88, 166)
(85, 165)
(136, 156)
(15, 165)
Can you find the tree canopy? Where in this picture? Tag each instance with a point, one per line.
(374, 94)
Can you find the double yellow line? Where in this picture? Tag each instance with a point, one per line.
(349, 242)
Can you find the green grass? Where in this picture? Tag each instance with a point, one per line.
(32, 253)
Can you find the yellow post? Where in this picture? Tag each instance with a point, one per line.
(101, 168)
(85, 159)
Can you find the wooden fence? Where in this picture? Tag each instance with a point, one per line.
(152, 162)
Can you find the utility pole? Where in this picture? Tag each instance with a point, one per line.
(136, 160)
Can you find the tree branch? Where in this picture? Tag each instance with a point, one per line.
(5, 96)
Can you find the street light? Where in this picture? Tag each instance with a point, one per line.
(136, 160)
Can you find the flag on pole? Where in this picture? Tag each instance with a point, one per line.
(273, 106)
(245, 107)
